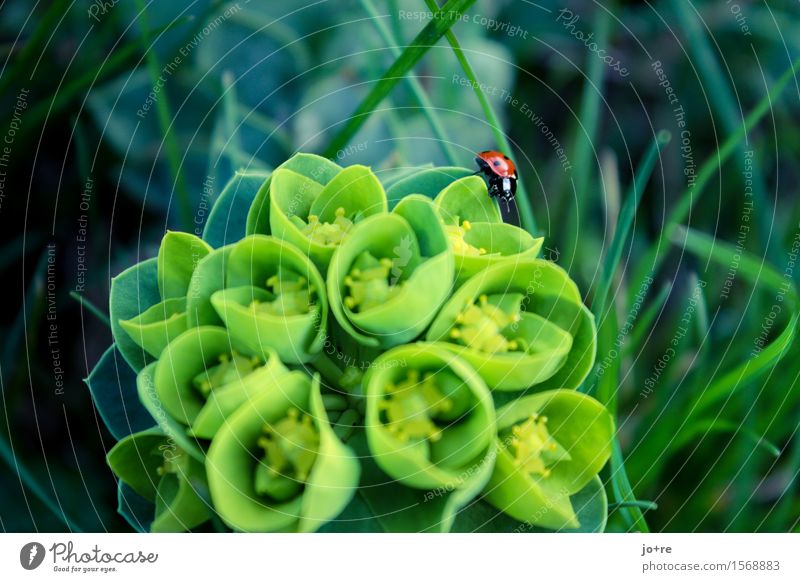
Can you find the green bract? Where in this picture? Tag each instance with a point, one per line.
(277, 465)
(158, 470)
(550, 446)
(317, 218)
(389, 278)
(477, 234)
(223, 413)
(204, 375)
(156, 325)
(274, 298)
(511, 322)
(431, 421)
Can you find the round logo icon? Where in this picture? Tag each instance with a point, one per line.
(31, 555)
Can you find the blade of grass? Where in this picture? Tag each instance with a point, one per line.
(626, 216)
(164, 114)
(708, 170)
(606, 390)
(715, 425)
(428, 110)
(93, 309)
(586, 132)
(524, 203)
(725, 102)
(411, 55)
(760, 275)
(646, 320)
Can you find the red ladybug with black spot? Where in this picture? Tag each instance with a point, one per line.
(501, 178)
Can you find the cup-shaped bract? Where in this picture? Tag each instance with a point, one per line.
(316, 218)
(430, 418)
(506, 321)
(550, 446)
(274, 299)
(277, 465)
(205, 374)
(157, 325)
(389, 278)
(158, 470)
(477, 234)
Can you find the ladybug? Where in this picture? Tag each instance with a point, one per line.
(501, 176)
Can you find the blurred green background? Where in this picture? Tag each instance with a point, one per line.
(121, 119)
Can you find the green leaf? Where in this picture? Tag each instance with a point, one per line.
(180, 504)
(504, 321)
(317, 168)
(145, 383)
(430, 420)
(253, 262)
(113, 387)
(132, 292)
(299, 203)
(590, 504)
(334, 478)
(227, 220)
(467, 199)
(136, 460)
(573, 423)
(389, 277)
(426, 181)
(207, 279)
(134, 508)
(158, 325)
(232, 462)
(177, 257)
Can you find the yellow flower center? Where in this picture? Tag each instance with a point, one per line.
(411, 406)
(456, 234)
(290, 448)
(231, 367)
(371, 282)
(327, 233)
(481, 326)
(533, 447)
(294, 295)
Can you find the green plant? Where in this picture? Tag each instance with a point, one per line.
(259, 392)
